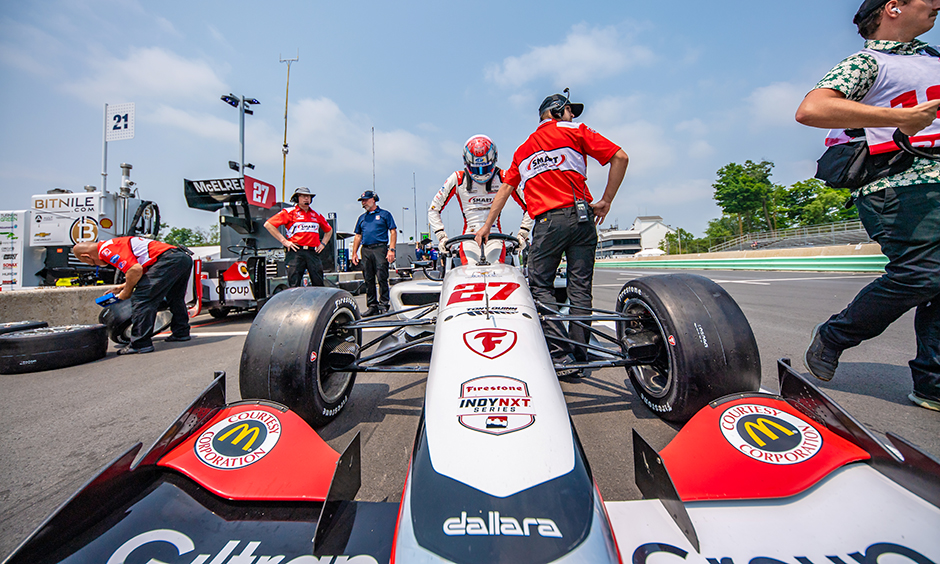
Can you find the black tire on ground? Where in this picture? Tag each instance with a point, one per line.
(48, 348)
(117, 318)
(706, 349)
(293, 348)
(220, 312)
(13, 326)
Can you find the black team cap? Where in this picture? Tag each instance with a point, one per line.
(867, 8)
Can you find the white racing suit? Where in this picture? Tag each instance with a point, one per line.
(475, 201)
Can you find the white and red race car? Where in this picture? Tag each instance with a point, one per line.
(497, 471)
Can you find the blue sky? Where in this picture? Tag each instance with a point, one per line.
(683, 87)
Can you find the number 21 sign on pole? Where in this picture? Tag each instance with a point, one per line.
(118, 126)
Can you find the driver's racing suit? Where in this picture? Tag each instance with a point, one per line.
(475, 200)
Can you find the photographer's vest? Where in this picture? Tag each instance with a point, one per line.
(903, 81)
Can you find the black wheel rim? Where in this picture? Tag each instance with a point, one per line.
(332, 384)
(655, 378)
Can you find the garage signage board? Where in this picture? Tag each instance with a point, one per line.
(12, 236)
(119, 122)
(65, 219)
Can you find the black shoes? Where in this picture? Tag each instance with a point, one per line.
(372, 311)
(924, 401)
(175, 339)
(131, 350)
(820, 360)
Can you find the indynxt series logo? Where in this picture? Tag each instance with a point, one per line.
(495, 405)
(239, 440)
(770, 435)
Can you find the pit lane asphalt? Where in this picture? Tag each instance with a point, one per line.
(58, 428)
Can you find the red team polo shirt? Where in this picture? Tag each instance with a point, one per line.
(303, 228)
(125, 252)
(551, 166)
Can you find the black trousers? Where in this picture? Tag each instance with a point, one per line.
(165, 279)
(375, 269)
(906, 223)
(557, 233)
(303, 260)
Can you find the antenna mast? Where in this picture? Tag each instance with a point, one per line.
(284, 148)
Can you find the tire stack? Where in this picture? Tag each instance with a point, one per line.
(32, 346)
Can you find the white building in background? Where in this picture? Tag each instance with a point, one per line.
(647, 232)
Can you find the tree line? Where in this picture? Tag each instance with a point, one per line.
(750, 202)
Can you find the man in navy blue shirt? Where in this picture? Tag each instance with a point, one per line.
(377, 233)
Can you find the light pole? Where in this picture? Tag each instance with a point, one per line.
(242, 104)
(403, 210)
(414, 193)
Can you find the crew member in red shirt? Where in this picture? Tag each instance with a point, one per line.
(551, 168)
(307, 235)
(153, 271)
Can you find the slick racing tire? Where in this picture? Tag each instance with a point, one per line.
(294, 348)
(48, 348)
(13, 326)
(704, 347)
(117, 318)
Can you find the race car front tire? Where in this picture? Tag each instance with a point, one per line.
(706, 349)
(48, 348)
(294, 347)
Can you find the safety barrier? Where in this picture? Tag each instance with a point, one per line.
(854, 263)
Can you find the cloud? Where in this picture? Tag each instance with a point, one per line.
(586, 54)
(200, 125)
(774, 105)
(328, 139)
(147, 73)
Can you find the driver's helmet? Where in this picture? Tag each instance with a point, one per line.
(479, 156)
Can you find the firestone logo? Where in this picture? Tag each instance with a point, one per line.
(490, 343)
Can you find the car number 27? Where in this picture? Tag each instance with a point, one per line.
(475, 291)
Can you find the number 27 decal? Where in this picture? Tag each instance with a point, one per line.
(474, 291)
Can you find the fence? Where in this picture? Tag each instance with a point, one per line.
(843, 232)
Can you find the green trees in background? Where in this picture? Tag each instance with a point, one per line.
(751, 202)
(188, 237)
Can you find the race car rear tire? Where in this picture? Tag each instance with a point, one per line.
(13, 326)
(48, 348)
(117, 318)
(706, 349)
(293, 348)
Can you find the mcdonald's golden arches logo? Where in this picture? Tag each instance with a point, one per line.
(239, 440)
(770, 435)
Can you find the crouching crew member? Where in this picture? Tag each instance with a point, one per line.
(153, 271)
(307, 235)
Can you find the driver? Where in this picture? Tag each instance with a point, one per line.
(475, 187)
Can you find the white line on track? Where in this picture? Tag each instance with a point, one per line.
(243, 333)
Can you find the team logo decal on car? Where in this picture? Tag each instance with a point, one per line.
(495, 405)
(770, 435)
(490, 343)
(239, 440)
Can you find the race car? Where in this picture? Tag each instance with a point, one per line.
(497, 472)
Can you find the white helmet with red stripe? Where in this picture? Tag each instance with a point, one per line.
(479, 156)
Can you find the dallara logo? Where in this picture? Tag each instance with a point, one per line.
(770, 435)
(239, 440)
